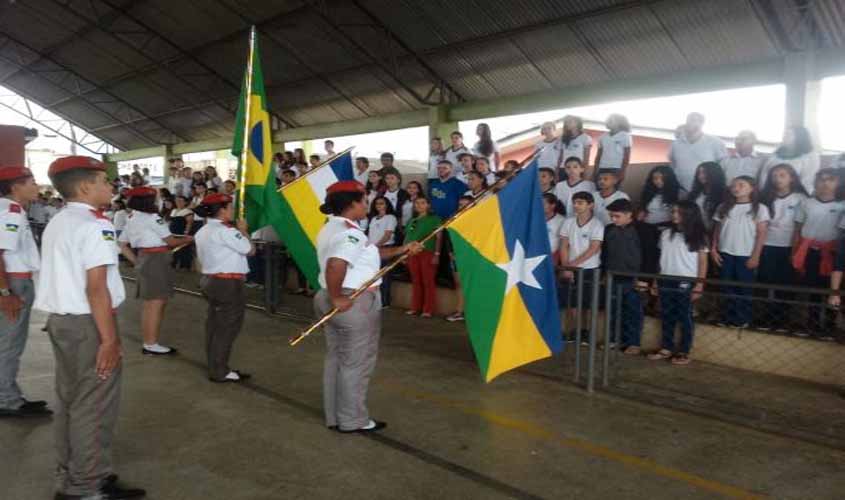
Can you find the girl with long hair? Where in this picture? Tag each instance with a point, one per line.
(708, 190)
(660, 193)
(615, 146)
(574, 142)
(486, 147)
(381, 232)
(797, 150)
(423, 266)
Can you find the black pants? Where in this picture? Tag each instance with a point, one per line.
(226, 306)
(776, 269)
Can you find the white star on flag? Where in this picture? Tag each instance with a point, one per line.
(521, 269)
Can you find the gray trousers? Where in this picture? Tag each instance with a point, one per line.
(226, 309)
(88, 407)
(352, 349)
(13, 337)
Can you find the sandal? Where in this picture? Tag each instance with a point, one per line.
(681, 359)
(410, 312)
(632, 350)
(659, 355)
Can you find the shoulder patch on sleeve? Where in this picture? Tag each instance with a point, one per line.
(239, 236)
(159, 220)
(14, 208)
(108, 235)
(352, 239)
(12, 228)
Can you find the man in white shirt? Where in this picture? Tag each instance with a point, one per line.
(362, 167)
(329, 147)
(744, 161)
(692, 148)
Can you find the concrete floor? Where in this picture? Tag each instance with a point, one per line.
(450, 435)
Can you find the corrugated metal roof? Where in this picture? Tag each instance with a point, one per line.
(158, 70)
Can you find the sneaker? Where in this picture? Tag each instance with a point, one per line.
(250, 284)
(660, 355)
(827, 337)
(632, 350)
(781, 329)
(801, 333)
(455, 316)
(680, 359)
(722, 324)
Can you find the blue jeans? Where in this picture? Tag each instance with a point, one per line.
(737, 308)
(676, 307)
(630, 314)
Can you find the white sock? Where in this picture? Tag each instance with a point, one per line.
(156, 348)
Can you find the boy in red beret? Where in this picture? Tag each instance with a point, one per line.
(19, 260)
(80, 286)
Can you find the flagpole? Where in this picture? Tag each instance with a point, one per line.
(245, 148)
(321, 165)
(402, 258)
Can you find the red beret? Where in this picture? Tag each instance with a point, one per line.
(141, 192)
(346, 187)
(73, 162)
(12, 173)
(215, 198)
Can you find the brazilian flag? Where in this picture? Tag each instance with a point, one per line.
(262, 204)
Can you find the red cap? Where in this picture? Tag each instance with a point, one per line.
(141, 192)
(346, 187)
(72, 162)
(216, 198)
(12, 173)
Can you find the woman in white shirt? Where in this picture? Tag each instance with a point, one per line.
(796, 150)
(380, 232)
(615, 145)
(414, 189)
(212, 180)
(574, 143)
(661, 191)
(477, 184)
(486, 147)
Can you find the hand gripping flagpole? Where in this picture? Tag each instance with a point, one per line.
(402, 258)
(246, 104)
(318, 167)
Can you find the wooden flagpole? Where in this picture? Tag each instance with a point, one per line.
(402, 258)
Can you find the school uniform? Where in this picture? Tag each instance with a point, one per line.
(182, 258)
(434, 159)
(737, 233)
(361, 177)
(564, 191)
(378, 226)
(548, 153)
(145, 233)
(352, 337)
(222, 251)
(775, 260)
(453, 155)
(21, 260)
(579, 238)
(676, 259)
(736, 166)
(576, 147)
(686, 156)
(613, 149)
(77, 239)
(813, 257)
(491, 159)
(600, 209)
(806, 166)
(658, 212)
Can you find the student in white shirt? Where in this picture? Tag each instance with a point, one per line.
(121, 215)
(457, 148)
(708, 191)
(148, 235)
(466, 165)
(381, 231)
(797, 150)
(328, 146)
(393, 191)
(555, 217)
(738, 238)
(414, 189)
(482, 166)
(212, 180)
(615, 146)
(818, 223)
(477, 184)
(608, 181)
(581, 236)
(693, 147)
(574, 142)
(573, 183)
(660, 192)
(548, 150)
(683, 252)
(547, 180)
(783, 195)
(436, 154)
(486, 147)
(744, 161)
(362, 165)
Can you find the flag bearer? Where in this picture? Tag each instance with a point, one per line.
(347, 261)
(148, 234)
(223, 250)
(20, 260)
(79, 285)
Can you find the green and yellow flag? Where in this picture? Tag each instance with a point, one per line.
(262, 204)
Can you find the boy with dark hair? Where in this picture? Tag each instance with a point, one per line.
(607, 180)
(629, 246)
(80, 287)
(386, 160)
(547, 180)
(362, 165)
(19, 260)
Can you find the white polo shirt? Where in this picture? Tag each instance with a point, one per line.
(600, 208)
(687, 156)
(676, 259)
(433, 161)
(221, 248)
(343, 239)
(548, 153)
(77, 239)
(144, 230)
(739, 228)
(554, 226)
(379, 226)
(577, 147)
(736, 166)
(819, 219)
(613, 149)
(120, 219)
(782, 225)
(564, 192)
(658, 212)
(20, 253)
(452, 155)
(361, 177)
(580, 238)
(806, 166)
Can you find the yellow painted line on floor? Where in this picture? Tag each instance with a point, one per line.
(538, 432)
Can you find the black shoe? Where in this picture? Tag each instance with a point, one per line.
(332, 428)
(112, 491)
(377, 427)
(147, 352)
(26, 411)
(35, 404)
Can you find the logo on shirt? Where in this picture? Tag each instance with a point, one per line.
(159, 221)
(108, 235)
(239, 236)
(12, 228)
(438, 193)
(352, 239)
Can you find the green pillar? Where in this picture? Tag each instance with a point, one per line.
(439, 124)
(111, 168)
